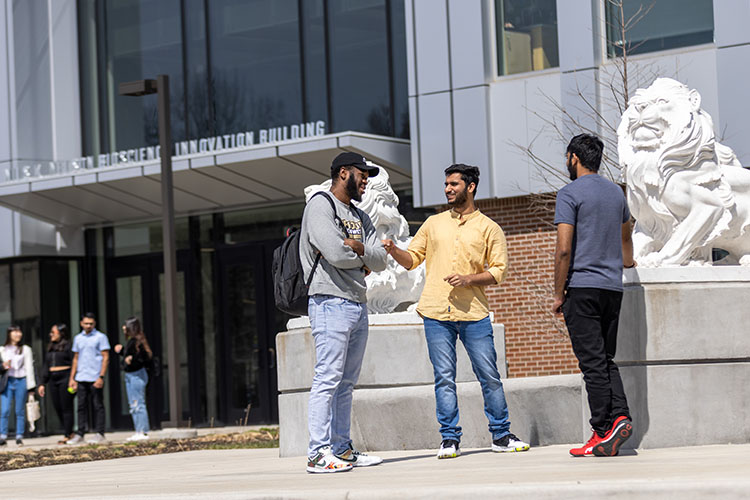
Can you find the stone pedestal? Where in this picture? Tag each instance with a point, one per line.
(394, 401)
(684, 355)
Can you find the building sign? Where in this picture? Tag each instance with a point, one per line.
(139, 156)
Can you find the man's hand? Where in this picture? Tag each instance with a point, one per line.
(355, 245)
(73, 385)
(557, 304)
(458, 279)
(389, 245)
(40, 390)
(99, 383)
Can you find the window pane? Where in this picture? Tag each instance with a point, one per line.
(359, 77)
(666, 24)
(144, 39)
(314, 50)
(398, 62)
(199, 120)
(255, 64)
(526, 35)
(260, 224)
(134, 239)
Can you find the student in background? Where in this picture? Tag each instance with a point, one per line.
(136, 357)
(18, 377)
(57, 363)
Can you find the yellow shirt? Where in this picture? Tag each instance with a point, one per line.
(462, 245)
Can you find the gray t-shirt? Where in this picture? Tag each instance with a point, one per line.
(341, 271)
(597, 209)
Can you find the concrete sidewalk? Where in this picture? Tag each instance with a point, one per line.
(721, 471)
(50, 442)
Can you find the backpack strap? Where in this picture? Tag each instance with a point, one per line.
(336, 218)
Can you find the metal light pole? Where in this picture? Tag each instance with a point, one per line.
(160, 86)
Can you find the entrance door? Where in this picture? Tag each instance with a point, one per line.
(250, 392)
(138, 288)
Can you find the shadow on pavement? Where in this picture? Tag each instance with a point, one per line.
(431, 455)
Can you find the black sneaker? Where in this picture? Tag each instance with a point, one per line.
(19, 441)
(509, 442)
(449, 449)
(3, 442)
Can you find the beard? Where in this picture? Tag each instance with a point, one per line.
(571, 171)
(352, 189)
(459, 200)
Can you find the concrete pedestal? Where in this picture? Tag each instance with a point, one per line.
(394, 400)
(684, 355)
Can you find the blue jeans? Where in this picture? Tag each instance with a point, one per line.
(339, 328)
(14, 391)
(479, 342)
(135, 386)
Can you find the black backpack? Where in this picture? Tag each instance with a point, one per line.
(289, 286)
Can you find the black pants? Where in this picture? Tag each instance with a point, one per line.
(90, 397)
(61, 398)
(591, 315)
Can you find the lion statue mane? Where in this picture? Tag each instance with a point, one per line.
(688, 193)
(394, 289)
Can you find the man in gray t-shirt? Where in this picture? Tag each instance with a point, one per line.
(593, 245)
(346, 240)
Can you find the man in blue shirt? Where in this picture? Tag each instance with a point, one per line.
(90, 361)
(593, 244)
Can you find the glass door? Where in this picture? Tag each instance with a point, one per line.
(248, 337)
(137, 285)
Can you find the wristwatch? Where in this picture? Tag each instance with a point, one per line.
(101, 377)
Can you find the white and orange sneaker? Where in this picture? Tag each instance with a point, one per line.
(325, 461)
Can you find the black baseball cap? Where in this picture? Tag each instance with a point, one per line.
(354, 160)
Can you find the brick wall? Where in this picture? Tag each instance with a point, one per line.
(536, 343)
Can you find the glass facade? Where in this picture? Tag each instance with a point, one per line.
(241, 65)
(652, 26)
(526, 35)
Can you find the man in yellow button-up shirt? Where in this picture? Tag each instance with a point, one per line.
(464, 251)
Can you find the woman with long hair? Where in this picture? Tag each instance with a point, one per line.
(17, 371)
(55, 376)
(136, 356)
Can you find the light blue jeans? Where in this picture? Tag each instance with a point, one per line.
(339, 327)
(135, 386)
(14, 391)
(479, 342)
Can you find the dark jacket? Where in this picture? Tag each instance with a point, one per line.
(53, 357)
(141, 359)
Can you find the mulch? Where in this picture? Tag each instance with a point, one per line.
(25, 458)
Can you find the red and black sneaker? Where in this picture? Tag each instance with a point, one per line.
(587, 449)
(609, 446)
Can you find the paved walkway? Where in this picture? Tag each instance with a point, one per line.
(542, 473)
(39, 443)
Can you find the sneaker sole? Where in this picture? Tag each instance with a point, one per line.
(611, 446)
(452, 455)
(320, 470)
(504, 449)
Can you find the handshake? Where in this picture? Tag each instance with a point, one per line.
(404, 258)
(389, 246)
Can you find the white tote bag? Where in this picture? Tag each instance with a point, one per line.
(33, 412)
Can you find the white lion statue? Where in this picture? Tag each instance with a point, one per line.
(688, 193)
(395, 288)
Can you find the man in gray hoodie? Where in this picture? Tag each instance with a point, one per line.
(350, 249)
